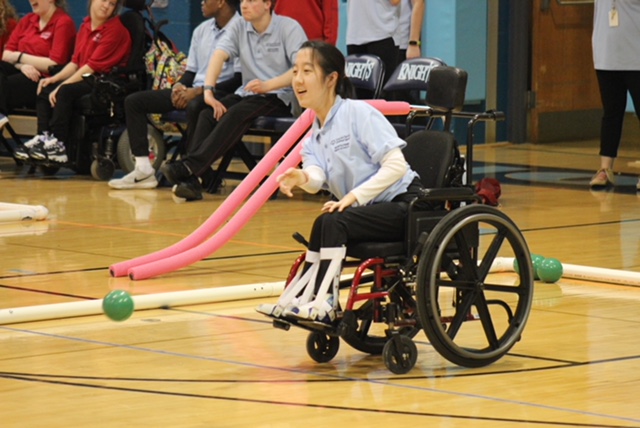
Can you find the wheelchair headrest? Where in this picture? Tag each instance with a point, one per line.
(412, 74)
(365, 72)
(446, 88)
(135, 4)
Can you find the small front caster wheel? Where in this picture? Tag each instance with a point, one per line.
(321, 347)
(400, 354)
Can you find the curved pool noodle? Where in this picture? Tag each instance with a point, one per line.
(160, 259)
(230, 204)
(222, 236)
(391, 108)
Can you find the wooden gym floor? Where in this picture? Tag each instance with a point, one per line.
(223, 365)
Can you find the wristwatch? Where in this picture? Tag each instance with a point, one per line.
(209, 88)
(414, 43)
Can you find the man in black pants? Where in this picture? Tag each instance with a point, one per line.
(186, 94)
(266, 45)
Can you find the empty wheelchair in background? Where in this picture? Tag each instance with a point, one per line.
(439, 279)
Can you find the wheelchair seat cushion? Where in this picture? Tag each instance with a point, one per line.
(366, 250)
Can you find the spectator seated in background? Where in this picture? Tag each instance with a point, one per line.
(266, 45)
(319, 18)
(102, 43)
(42, 38)
(187, 94)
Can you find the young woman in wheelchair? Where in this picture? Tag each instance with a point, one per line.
(101, 44)
(355, 154)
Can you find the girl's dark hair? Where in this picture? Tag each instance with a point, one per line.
(331, 60)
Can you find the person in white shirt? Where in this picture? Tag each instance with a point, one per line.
(616, 58)
(186, 94)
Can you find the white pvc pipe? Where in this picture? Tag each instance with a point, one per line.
(19, 212)
(147, 301)
(587, 273)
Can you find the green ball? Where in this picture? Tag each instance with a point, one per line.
(536, 259)
(550, 270)
(117, 305)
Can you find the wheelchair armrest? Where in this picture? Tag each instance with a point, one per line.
(448, 194)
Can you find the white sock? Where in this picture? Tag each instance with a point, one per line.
(143, 164)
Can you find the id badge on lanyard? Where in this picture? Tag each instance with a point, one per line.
(613, 15)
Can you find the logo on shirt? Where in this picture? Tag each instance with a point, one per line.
(414, 72)
(340, 143)
(273, 47)
(359, 70)
(46, 35)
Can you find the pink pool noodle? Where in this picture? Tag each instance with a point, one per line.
(230, 204)
(182, 254)
(223, 235)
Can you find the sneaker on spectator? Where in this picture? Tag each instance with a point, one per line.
(191, 189)
(38, 151)
(175, 172)
(3, 120)
(136, 179)
(603, 178)
(52, 149)
(22, 152)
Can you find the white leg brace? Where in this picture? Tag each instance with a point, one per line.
(318, 307)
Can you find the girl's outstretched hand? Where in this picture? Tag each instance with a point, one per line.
(291, 178)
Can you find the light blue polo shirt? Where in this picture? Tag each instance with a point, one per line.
(616, 48)
(267, 55)
(350, 146)
(203, 42)
(371, 20)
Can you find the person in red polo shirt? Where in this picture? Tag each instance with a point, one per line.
(318, 18)
(41, 39)
(103, 42)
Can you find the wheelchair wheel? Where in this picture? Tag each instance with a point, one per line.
(322, 347)
(471, 316)
(400, 354)
(102, 169)
(157, 150)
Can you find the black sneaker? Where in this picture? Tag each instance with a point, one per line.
(175, 172)
(191, 189)
(22, 152)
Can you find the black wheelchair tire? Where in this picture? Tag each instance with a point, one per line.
(157, 145)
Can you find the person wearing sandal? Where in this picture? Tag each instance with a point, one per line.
(616, 57)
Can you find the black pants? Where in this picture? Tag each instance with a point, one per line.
(614, 86)
(381, 222)
(57, 119)
(212, 139)
(16, 89)
(386, 49)
(139, 104)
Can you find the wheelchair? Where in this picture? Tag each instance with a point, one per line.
(440, 278)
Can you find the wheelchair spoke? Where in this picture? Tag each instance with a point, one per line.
(467, 263)
(464, 301)
(506, 289)
(485, 319)
(492, 252)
